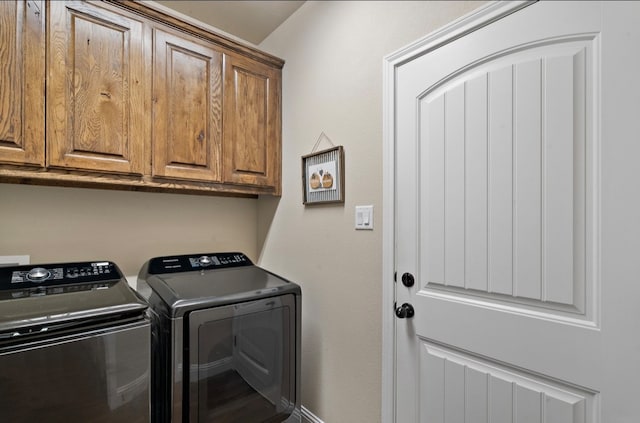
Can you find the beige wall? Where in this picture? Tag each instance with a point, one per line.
(333, 83)
(65, 224)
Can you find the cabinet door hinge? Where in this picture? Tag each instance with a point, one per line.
(395, 276)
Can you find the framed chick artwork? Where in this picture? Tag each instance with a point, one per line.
(323, 177)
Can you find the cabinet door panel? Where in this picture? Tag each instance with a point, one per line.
(22, 82)
(96, 117)
(251, 123)
(187, 91)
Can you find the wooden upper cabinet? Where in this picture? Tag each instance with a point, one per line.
(96, 112)
(125, 94)
(22, 76)
(252, 123)
(187, 107)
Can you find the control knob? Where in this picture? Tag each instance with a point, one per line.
(204, 260)
(38, 274)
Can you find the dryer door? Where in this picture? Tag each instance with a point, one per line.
(242, 361)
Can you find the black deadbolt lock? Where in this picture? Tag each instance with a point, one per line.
(407, 280)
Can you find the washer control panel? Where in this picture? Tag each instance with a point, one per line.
(190, 262)
(58, 278)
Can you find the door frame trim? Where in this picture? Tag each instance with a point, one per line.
(484, 15)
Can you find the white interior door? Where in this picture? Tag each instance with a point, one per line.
(517, 201)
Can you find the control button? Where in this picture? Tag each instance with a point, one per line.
(204, 261)
(57, 273)
(38, 274)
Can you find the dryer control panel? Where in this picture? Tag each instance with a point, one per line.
(189, 262)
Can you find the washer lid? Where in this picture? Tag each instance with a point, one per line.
(46, 297)
(185, 283)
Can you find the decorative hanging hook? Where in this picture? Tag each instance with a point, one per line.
(322, 136)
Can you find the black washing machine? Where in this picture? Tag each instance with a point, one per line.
(226, 340)
(74, 345)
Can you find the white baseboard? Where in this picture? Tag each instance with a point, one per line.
(309, 417)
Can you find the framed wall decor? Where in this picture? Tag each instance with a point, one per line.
(323, 177)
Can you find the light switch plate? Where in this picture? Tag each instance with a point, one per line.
(364, 217)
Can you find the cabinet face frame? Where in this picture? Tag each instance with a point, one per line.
(97, 91)
(252, 123)
(22, 76)
(187, 107)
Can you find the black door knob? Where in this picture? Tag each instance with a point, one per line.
(407, 280)
(405, 311)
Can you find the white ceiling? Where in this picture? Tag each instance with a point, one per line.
(250, 20)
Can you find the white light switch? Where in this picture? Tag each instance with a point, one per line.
(364, 217)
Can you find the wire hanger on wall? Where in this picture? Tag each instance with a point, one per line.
(322, 136)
